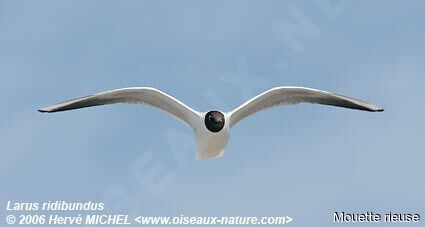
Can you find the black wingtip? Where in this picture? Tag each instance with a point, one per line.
(43, 111)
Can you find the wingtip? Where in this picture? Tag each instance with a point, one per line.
(379, 109)
(43, 111)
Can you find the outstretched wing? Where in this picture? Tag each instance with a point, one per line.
(295, 95)
(136, 95)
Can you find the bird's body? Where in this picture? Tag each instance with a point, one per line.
(211, 144)
(212, 129)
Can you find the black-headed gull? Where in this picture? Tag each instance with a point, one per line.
(212, 129)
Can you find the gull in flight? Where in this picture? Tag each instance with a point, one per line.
(212, 128)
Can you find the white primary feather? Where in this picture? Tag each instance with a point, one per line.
(294, 95)
(137, 95)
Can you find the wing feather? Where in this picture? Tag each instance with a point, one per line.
(295, 95)
(136, 95)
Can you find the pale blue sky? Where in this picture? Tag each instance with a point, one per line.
(304, 161)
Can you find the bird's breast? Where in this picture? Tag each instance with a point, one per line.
(209, 144)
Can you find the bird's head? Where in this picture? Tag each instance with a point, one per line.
(214, 121)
